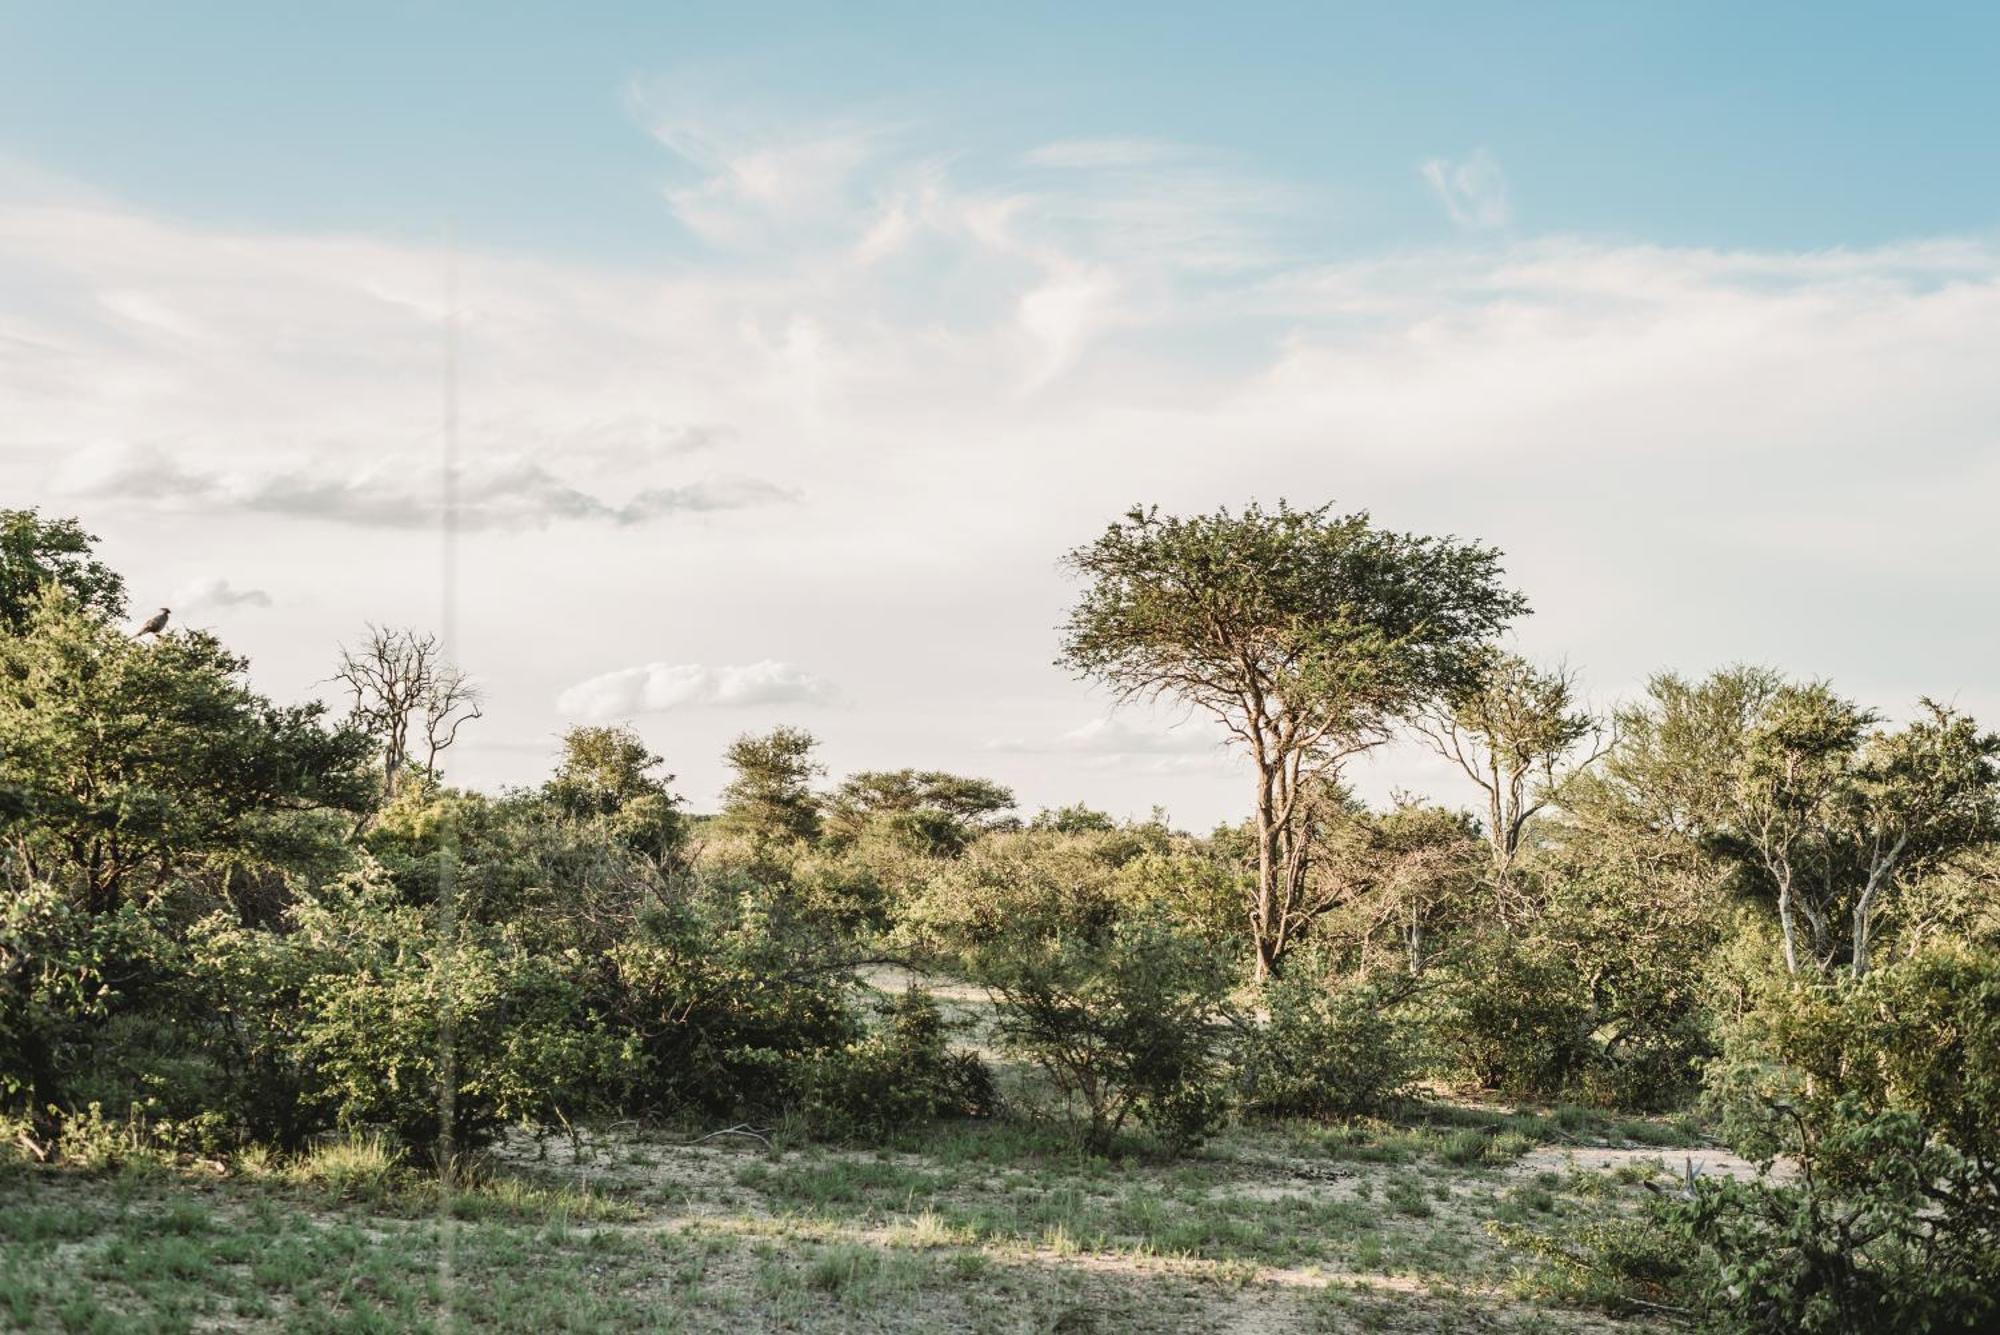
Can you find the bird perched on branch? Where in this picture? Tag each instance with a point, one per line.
(154, 624)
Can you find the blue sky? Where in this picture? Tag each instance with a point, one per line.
(797, 343)
(1779, 124)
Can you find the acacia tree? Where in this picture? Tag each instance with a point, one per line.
(1515, 734)
(406, 696)
(1309, 635)
(945, 810)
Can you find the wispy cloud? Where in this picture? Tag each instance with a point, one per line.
(215, 593)
(657, 687)
(977, 388)
(1122, 738)
(491, 495)
(1473, 189)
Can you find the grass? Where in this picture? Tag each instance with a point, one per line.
(1001, 1226)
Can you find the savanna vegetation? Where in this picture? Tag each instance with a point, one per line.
(1688, 1015)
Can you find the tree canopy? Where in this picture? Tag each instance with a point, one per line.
(1309, 635)
(35, 552)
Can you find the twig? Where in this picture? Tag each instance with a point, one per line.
(742, 1129)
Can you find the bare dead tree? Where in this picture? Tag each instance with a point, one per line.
(408, 697)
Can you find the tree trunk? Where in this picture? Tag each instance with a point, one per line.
(1788, 927)
(1270, 867)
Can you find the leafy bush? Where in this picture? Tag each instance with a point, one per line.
(52, 992)
(1127, 1024)
(1906, 1236)
(1329, 1047)
(1124, 1012)
(1512, 1017)
(1887, 1091)
(903, 1074)
(729, 1007)
(356, 1016)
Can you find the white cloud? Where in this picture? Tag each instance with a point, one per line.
(1474, 190)
(1157, 745)
(657, 687)
(492, 493)
(216, 592)
(1119, 734)
(1690, 455)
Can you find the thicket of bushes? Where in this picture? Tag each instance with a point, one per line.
(230, 923)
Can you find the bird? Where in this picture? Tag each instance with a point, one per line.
(154, 624)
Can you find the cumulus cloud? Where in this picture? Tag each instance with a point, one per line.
(1473, 190)
(657, 687)
(1193, 742)
(498, 494)
(214, 593)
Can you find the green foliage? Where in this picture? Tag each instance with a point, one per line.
(936, 812)
(1123, 1012)
(1330, 1046)
(770, 797)
(730, 1006)
(1886, 1092)
(1353, 623)
(1188, 885)
(1073, 819)
(1907, 1238)
(606, 777)
(1307, 635)
(1514, 1017)
(1920, 1036)
(360, 1010)
(137, 765)
(517, 860)
(902, 1074)
(53, 991)
(36, 553)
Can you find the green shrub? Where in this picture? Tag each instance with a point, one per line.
(1329, 1047)
(345, 1019)
(1127, 1024)
(1908, 1240)
(1513, 1018)
(731, 1009)
(1123, 1012)
(53, 993)
(1886, 1089)
(903, 1074)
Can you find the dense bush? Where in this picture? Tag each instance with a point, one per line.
(1513, 1016)
(1128, 1024)
(53, 991)
(365, 1014)
(902, 1074)
(1886, 1092)
(1330, 1047)
(1902, 1234)
(1123, 1011)
(730, 1008)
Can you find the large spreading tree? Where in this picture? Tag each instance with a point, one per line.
(1311, 636)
